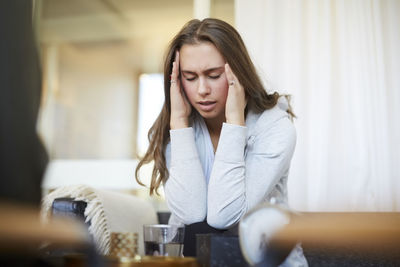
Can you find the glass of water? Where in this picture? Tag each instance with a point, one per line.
(163, 240)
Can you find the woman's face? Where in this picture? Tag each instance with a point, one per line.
(202, 69)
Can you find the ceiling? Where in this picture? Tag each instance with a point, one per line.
(145, 26)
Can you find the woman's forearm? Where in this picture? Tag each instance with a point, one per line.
(239, 182)
(226, 189)
(185, 188)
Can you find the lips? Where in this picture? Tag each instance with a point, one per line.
(206, 105)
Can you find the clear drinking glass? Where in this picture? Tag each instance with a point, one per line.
(163, 240)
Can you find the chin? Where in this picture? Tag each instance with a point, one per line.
(211, 115)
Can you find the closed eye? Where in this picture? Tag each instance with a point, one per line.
(190, 79)
(214, 76)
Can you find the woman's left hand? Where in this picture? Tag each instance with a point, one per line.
(236, 100)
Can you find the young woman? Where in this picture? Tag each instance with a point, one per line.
(221, 144)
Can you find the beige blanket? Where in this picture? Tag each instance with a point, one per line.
(108, 212)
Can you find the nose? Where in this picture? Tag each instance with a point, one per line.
(204, 88)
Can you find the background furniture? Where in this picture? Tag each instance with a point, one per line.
(104, 212)
(214, 249)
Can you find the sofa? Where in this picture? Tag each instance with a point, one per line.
(103, 212)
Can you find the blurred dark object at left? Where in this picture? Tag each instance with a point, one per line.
(22, 156)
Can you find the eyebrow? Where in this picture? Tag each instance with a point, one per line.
(206, 71)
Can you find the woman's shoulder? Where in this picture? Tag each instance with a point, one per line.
(272, 128)
(276, 116)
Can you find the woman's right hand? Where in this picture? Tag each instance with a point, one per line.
(180, 106)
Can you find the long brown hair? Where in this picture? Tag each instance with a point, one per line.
(229, 43)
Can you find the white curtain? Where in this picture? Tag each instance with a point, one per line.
(340, 61)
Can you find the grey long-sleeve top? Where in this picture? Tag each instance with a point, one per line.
(251, 165)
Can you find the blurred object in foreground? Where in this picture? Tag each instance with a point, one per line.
(25, 239)
(22, 156)
(268, 234)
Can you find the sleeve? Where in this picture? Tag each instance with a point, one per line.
(185, 188)
(237, 183)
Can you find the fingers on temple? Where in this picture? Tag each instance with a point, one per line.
(173, 73)
(177, 58)
(175, 68)
(229, 74)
